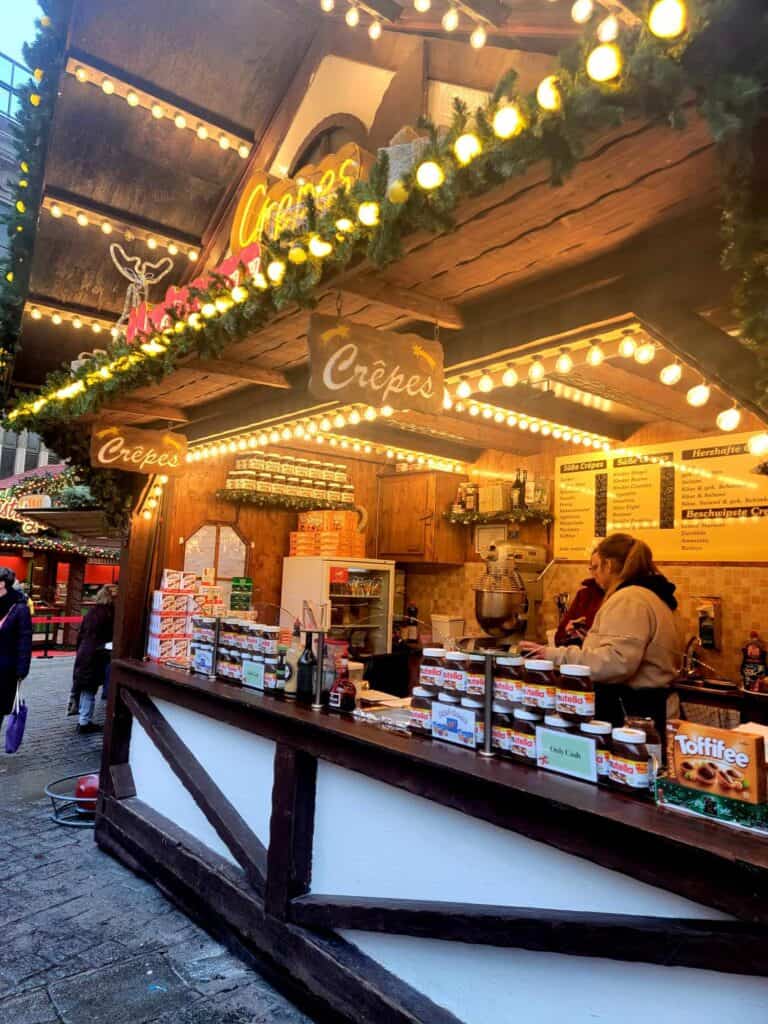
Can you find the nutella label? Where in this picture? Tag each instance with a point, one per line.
(635, 774)
(431, 675)
(509, 689)
(475, 683)
(603, 763)
(575, 702)
(455, 679)
(539, 696)
(524, 745)
(334, 699)
(480, 733)
(502, 737)
(421, 718)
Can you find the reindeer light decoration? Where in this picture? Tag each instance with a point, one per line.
(140, 274)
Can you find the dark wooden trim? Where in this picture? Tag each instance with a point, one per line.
(700, 860)
(123, 785)
(730, 947)
(343, 982)
(289, 859)
(247, 849)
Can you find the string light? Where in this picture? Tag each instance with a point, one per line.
(430, 175)
(386, 411)
(582, 11)
(509, 377)
(668, 19)
(698, 395)
(180, 121)
(422, 6)
(485, 384)
(604, 63)
(548, 94)
(758, 445)
(595, 355)
(352, 17)
(319, 247)
(645, 353)
(108, 86)
(157, 111)
(466, 148)
(564, 363)
(327, 5)
(464, 389)
(368, 214)
(729, 419)
(479, 37)
(508, 121)
(536, 371)
(276, 271)
(81, 74)
(608, 29)
(345, 225)
(627, 347)
(374, 30)
(450, 21)
(671, 374)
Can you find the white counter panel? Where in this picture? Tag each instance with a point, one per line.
(480, 984)
(372, 839)
(241, 765)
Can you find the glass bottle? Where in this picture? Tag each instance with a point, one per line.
(305, 680)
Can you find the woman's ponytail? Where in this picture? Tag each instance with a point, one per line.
(632, 558)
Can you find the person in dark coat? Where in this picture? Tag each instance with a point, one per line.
(580, 613)
(15, 640)
(93, 657)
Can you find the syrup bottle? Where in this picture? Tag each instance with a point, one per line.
(343, 693)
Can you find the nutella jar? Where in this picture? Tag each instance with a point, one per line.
(629, 763)
(271, 682)
(575, 697)
(292, 487)
(421, 712)
(476, 675)
(600, 732)
(472, 704)
(508, 678)
(455, 668)
(269, 636)
(280, 484)
(431, 669)
(559, 724)
(524, 735)
(502, 727)
(348, 494)
(264, 483)
(652, 738)
(540, 686)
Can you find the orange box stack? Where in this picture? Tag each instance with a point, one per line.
(328, 533)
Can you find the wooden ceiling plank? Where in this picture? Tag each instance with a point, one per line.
(412, 303)
(489, 11)
(147, 410)
(239, 370)
(465, 431)
(387, 10)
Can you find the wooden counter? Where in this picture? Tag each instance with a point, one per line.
(252, 859)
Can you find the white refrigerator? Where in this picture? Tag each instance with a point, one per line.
(351, 599)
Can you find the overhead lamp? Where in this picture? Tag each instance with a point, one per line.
(671, 374)
(509, 378)
(698, 395)
(132, 98)
(668, 19)
(627, 346)
(479, 37)
(582, 11)
(352, 17)
(595, 355)
(108, 86)
(485, 384)
(645, 353)
(608, 29)
(464, 390)
(536, 371)
(564, 363)
(180, 121)
(729, 419)
(374, 30)
(758, 445)
(450, 20)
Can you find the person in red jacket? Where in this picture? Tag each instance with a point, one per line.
(580, 613)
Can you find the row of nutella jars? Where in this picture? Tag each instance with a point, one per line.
(532, 684)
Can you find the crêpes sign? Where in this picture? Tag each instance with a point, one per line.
(138, 451)
(353, 363)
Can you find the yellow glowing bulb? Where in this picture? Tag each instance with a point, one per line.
(243, 150)
(698, 395)
(508, 121)
(758, 445)
(77, 323)
(352, 17)
(397, 193)
(180, 121)
(108, 86)
(239, 293)
(106, 227)
(487, 413)
(729, 419)
(36, 314)
(325, 424)
(582, 11)
(146, 514)
(464, 390)
(56, 319)
(627, 347)
(474, 410)
(564, 363)
(151, 243)
(422, 6)
(374, 30)
(485, 383)
(131, 98)
(354, 417)
(201, 131)
(274, 437)
(56, 211)
(81, 74)
(173, 249)
(344, 224)
(223, 142)
(35, 99)
(430, 175)
(548, 94)
(671, 374)
(466, 148)
(192, 255)
(208, 310)
(276, 271)
(368, 214)
(604, 63)
(339, 421)
(223, 303)
(82, 220)
(297, 255)
(386, 411)
(479, 37)
(450, 20)
(319, 247)
(157, 111)
(327, 5)
(608, 29)
(595, 355)
(536, 371)
(645, 353)
(509, 377)
(668, 19)
(195, 322)
(260, 281)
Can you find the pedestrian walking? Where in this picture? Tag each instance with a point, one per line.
(92, 658)
(15, 640)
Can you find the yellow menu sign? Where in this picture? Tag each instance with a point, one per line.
(692, 501)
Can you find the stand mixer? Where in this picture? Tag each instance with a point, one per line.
(501, 601)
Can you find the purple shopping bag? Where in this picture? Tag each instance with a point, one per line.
(17, 721)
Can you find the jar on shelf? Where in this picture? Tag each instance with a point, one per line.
(271, 463)
(340, 474)
(334, 494)
(329, 471)
(306, 489)
(315, 469)
(320, 490)
(292, 487)
(264, 484)
(348, 494)
(280, 485)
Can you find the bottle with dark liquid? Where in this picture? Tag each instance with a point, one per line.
(517, 492)
(343, 693)
(523, 483)
(307, 669)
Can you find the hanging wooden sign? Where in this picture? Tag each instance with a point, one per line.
(133, 450)
(353, 363)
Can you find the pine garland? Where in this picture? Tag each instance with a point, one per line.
(36, 543)
(658, 78)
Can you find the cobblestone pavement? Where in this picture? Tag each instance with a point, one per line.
(82, 939)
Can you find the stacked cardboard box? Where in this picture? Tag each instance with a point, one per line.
(170, 628)
(330, 534)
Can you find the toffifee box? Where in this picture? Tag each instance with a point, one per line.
(175, 579)
(720, 762)
(170, 601)
(168, 624)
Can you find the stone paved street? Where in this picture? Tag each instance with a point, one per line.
(83, 939)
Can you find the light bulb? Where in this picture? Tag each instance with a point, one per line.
(536, 371)
(595, 355)
(546, 430)
(498, 416)
(564, 363)
(627, 346)
(758, 445)
(474, 410)
(286, 433)
(81, 74)
(180, 121)
(671, 374)
(82, 220)
(368, 214)
(319, 247)
(106, 227)
(485, 384)
(645, 353)
(131, 98)
(173, 249)
(327, 5)
(56, 319)
(479, 37)
(77, 323)
(354, 417)
(56, 211)
(466, 148)
(509, 377)
(157, 111)
(35, 313)
(325, 424)
(339, 421)
(698, 395)
(352, 17)
(344, 224)
(523, 424)
(374, 30)
(604, 63)
(390, 454)
(548, 94)
(386, 411)
(608, 29)
(582, 11)
(243, 150)
(108, 86)
(464, 390)
(151, 243)
(223, 142)
(508, 121)
(430, 175)
(450, 20)
(192, 255)
(487, 413)
(370, 414)
(535, 428)
(729, 419)
(276, 271)
(422, 6)
(239, 293)
(511, 421)
(668, 19)
(201, 131)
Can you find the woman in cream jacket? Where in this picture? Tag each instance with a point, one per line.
(635, 644)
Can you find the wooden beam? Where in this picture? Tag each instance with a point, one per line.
(387, 10)
(733, 947)
(146, 410)
(411, 303)
(289, 860)
(478, 433)
(230, 826)
(238, 370)
(487, 10)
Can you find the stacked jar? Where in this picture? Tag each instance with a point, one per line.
(431, 670)
(540, 685)
(575, 696)
(455, 671)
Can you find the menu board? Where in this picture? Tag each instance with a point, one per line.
(691, 501)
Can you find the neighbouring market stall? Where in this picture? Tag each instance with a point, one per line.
(457, 420)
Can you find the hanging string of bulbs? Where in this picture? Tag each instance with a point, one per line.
(450, 21)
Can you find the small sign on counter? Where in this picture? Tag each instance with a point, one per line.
(454, 725)
(567, 754)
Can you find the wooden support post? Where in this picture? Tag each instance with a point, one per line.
(289, 860)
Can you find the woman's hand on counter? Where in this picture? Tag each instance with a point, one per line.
(531, 649)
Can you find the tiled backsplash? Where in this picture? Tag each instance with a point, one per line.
(743, 589)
